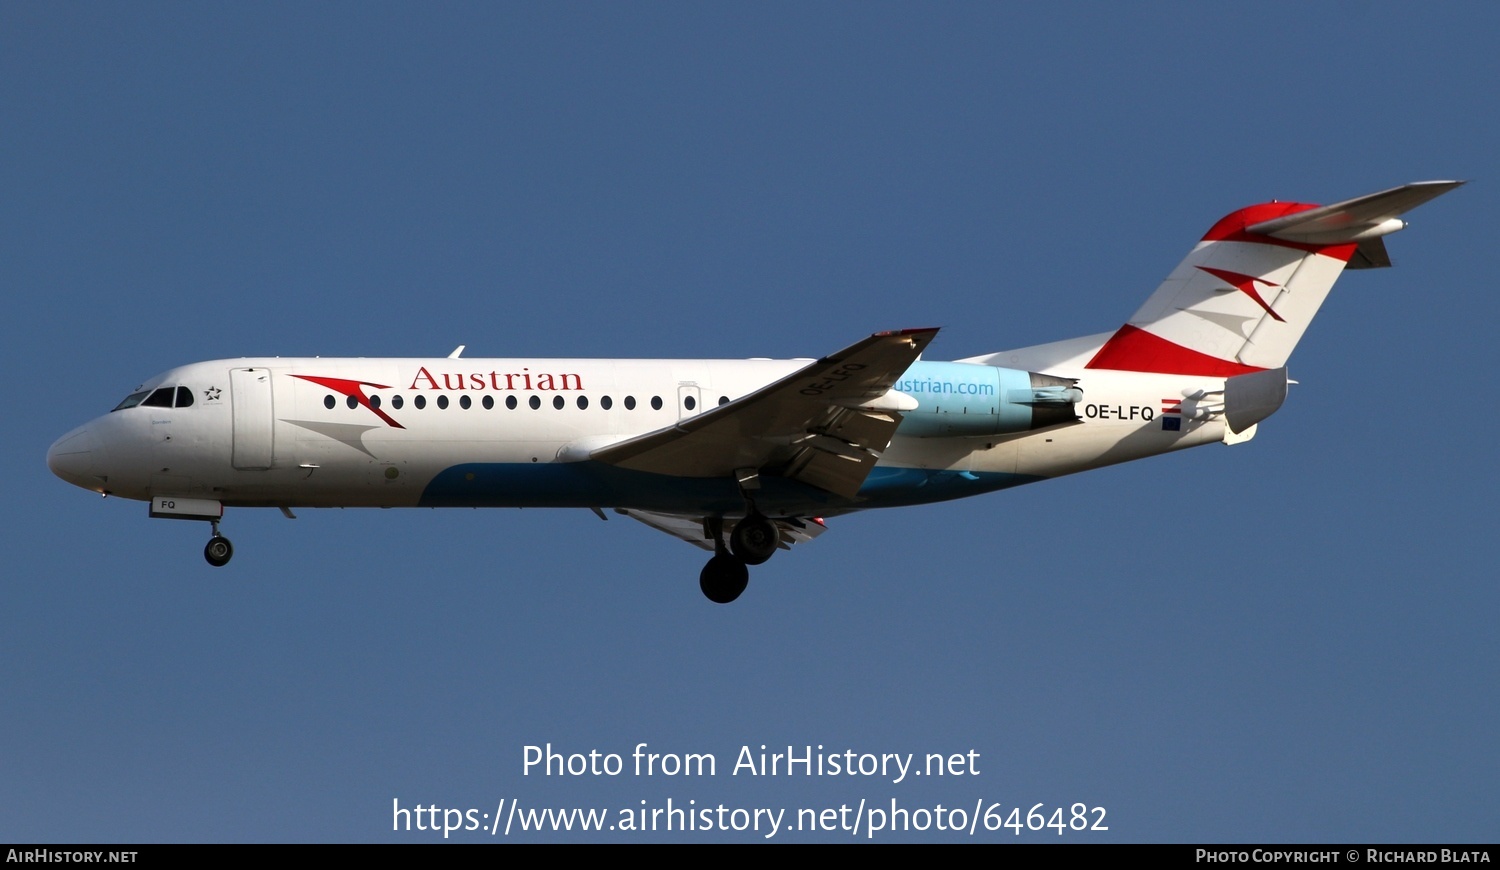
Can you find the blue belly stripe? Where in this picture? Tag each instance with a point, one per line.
(595, 484)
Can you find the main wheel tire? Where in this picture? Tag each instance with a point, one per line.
(754, 539)
(219, 551)
(723, 578)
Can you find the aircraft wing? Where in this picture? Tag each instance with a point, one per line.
(691, 528)
(821, 425)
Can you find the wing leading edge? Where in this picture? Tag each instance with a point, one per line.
(819, 425)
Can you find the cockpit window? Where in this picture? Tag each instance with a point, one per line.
(162, 398)
(131, 401)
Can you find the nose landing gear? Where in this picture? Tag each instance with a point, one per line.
(218, 551)
(171, 507)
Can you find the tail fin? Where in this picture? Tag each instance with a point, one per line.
(1246, 293)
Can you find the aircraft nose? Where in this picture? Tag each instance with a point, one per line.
(72, 457)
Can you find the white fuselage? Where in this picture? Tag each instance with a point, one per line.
(518, 432)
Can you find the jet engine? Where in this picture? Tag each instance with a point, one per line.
(969, 399)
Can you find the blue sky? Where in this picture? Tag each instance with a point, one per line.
(1290, 640)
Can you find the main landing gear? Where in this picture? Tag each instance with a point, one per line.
(218, 551)
(753, 540)
(723, 578)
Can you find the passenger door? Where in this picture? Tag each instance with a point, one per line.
(254, 427)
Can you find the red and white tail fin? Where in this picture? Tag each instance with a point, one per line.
(1246, 293)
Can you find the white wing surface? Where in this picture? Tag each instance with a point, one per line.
(823, 425)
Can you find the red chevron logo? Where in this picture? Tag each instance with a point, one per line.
(1245, 284)
(355, 391)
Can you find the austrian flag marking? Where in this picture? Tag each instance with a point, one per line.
(1171, 415)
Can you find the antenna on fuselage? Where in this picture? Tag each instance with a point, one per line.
(457, 352)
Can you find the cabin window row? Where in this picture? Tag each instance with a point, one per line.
(488, 402)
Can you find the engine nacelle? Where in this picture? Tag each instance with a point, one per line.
(969, 399)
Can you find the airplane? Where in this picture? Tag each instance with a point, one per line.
(744, 457)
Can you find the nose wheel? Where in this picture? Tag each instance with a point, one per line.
(218, 551)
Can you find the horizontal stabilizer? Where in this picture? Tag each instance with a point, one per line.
(1353, 220)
